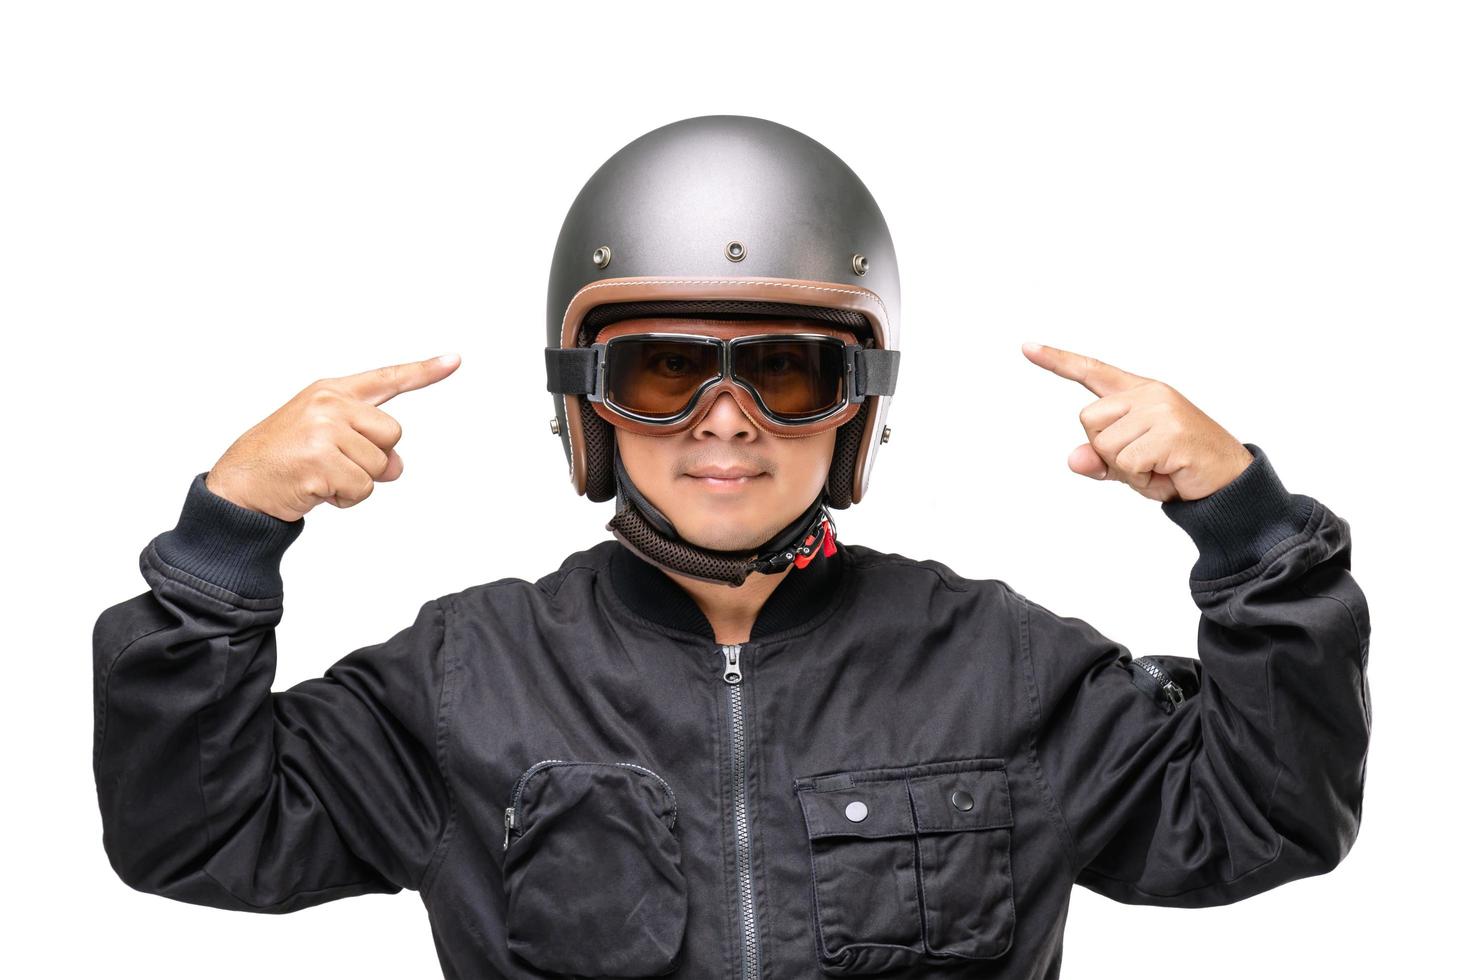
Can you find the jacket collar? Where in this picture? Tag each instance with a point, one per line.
(650, 593)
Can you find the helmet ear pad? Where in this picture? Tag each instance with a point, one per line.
(842, 477)
(599, 439)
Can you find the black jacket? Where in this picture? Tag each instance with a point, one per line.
(902, 769)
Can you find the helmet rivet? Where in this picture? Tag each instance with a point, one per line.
(886, 433)
(556, 427)
(860, 263)
(601, 256)
(734, 251)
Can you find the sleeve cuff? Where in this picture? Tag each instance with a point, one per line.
(227, 545)
(1235, 526)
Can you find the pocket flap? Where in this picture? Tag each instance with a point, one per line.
(564, 788)
(856, 808)
(975, 797)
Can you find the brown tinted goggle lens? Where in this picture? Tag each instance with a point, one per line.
(660, 378)
(795, 378)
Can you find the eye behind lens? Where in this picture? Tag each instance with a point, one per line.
(795, 378)
(659, 377)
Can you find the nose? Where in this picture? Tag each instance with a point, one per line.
(725, 420)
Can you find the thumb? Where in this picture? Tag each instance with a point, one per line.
(1085, 461)
(394, 469)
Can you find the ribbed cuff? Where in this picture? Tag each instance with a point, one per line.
(227, 545)
(1235, 526)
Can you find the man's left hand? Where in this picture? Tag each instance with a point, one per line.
(1144, 433)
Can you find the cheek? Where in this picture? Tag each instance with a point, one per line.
(805, 461)
(650, 462)
(639, 453)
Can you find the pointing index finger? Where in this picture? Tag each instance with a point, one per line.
(1098, 377)
(380, 384)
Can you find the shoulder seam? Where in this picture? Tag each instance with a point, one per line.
(557, 578)
(561, 577)
(891, 559)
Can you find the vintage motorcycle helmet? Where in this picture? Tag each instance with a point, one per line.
(730, 218)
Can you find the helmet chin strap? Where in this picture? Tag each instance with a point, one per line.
(645, 531)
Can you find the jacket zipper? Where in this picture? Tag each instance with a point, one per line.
(1172, 691)
(750, 941)
(515, 801)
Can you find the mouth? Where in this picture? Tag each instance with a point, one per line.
(724, 478)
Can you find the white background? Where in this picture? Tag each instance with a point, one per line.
(204, 207)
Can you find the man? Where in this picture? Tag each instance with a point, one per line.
(721, 744)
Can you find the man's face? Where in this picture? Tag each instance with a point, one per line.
(724, 482)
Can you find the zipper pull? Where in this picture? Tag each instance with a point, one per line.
(510, 821)
(1164, 683)
(732, 662)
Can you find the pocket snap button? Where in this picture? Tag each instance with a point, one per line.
(856, 810)
(961, 800)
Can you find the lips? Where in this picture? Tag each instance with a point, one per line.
(718, 473)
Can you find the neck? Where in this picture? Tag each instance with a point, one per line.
(731, 611)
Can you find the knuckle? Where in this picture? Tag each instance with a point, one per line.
(322, 394)
(361, 490)
(316, 486)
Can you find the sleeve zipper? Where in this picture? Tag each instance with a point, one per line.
(1172, 693)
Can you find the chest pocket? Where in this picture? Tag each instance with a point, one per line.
(910, 864)
(593, 878)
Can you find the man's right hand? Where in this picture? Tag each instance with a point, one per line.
(329, 443)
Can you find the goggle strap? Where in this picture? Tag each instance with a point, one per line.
(571, 370)
(875, 372)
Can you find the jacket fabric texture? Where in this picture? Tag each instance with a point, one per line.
(902, 771)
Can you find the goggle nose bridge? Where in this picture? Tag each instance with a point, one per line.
(727, 373)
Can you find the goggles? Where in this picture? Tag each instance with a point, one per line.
(660, 376)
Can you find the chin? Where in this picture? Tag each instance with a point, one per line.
(727, 534)
(727, 528)
(734, 520)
